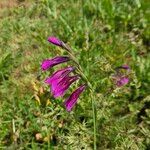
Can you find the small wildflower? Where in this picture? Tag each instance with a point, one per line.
(59, 87)
(72, 100)
(59, 75)
(126, 67)
(121, 78)
(122, 81)
(58, 42)
(48, 63)
(55, 41)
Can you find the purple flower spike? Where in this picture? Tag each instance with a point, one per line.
(59, 75)
(48, 63)
(72, 100)
(122, 81)
(55, 41)
(60, 87)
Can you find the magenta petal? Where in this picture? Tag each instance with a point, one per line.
(72, 100)
(59, 88)
(55, 41)
(122, 81)
(48, 63)
(126, 67)
(58, 75)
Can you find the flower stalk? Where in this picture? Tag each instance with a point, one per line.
(79, 69)
(60, 85)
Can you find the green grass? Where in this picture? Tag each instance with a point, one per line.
(104, 34)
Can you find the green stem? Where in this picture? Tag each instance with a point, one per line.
(94, 119)
(80, 70)
(92, 93)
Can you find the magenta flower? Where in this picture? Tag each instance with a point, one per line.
(55, 41)
(121, 78)
(126, 67)
(60, 85)
(72, 100)
(61, 80)
(58, 42)
(48, 63)
(59, 75)
(59, 88)
(122, 81)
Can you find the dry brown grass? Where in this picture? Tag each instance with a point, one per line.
(7, 4)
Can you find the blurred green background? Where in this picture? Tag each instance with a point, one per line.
(104, 34)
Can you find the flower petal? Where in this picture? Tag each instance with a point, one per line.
(48, 63)
(126, 67)
(122, 81)
(58, 75)
(59, 88)
(72, 100)
(55, 41)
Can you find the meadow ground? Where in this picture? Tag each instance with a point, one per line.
(104, 34)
